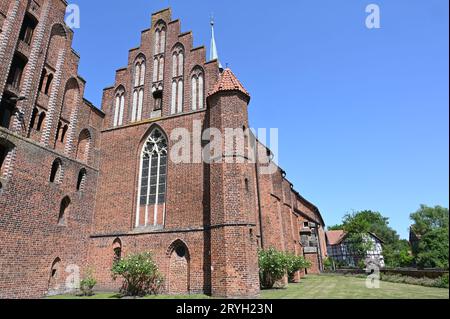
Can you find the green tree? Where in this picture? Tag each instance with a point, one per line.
(336, 227)
(395, 251)
(397, 254)
(431, 226)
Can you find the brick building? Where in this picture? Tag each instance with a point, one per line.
(81, 187)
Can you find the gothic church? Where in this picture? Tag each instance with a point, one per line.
(82, 186)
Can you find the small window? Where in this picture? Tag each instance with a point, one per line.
(84, 145)
(117, 249)
(43, 76)
(49, 83)
(5, 149)
(247, 185)
(81, 180)
(63, 211)
(119, 105)
(64, 132)
(157, 95)
(55, 174)
(17, 68)
(40, 121)
(33, 117)
(55, 266)
(3, 153)
(27, 30)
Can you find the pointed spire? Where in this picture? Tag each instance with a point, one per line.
(213, 55)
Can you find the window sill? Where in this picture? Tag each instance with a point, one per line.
(147, 229)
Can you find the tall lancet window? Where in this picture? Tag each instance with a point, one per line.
(160, 38)
(158, 68)
(152, 181)
(177, 79)
(119, 104)
(197, 89)
(138, 88)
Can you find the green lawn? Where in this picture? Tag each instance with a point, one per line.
(347, 287)
(323, 287)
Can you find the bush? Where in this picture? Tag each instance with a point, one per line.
(328, 264)
(140, 274)
(87, 284)
(441, 282)
(295, 263)
(272, 267)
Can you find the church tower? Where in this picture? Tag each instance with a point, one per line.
(234, 260)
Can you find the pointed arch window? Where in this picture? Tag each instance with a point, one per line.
(158, 69)
(81, 180)
(48, 84)
(41, 82)
(55, 173)
(160, 38)
(197, 89)
(153, 179)
(63, 211)
(119, 104)
(84, 145)
(177, 62)
(138, 89)
(177, 81)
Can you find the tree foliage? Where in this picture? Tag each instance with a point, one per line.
(395, 251)
(431, 228)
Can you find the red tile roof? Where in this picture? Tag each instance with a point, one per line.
(335, 236)
(228, 82)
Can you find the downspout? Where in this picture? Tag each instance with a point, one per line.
(320, 249)
(259, 202)
(255, 140)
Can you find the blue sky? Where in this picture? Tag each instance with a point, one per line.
(362, 114)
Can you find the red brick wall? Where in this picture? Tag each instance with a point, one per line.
(31, 238)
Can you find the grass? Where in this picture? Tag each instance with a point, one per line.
(105, 295)
(321, 287)
(349, 287)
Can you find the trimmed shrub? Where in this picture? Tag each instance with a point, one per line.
(272, 267)
(295, 263)
(140, 275)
